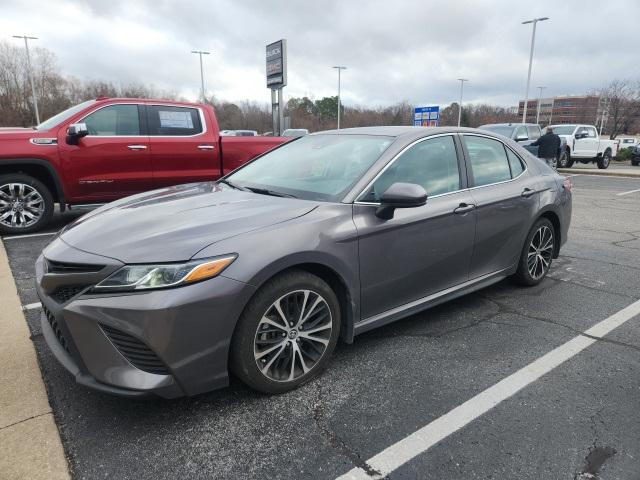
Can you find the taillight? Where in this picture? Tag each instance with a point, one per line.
(566, 184)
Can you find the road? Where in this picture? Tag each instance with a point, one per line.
(579, 419)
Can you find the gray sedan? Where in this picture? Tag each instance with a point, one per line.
(261, 272)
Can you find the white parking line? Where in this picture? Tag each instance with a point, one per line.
(16, 237)
(420, 441)
(31, 306)
(627, 193)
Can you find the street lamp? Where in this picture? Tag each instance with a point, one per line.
(339, 68)
(33, 87)
(539, 99)
(461, 80)
(201, 52)
(533, 39)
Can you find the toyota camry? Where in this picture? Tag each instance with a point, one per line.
(262, 272)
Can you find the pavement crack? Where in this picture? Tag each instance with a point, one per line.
(335, 441)
(507, 309)
(596, 455)
(26, 419)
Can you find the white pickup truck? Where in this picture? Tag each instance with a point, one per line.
(584, 145)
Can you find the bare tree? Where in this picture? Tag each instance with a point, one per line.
(621, 100)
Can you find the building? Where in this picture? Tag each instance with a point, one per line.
(565, 109)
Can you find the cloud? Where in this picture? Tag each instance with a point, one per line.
(400, 50)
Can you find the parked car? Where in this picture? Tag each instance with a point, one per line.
(295, 132)
(635, 156)
(584, 145)
(108, 148)
(627, 142)
(327, 236)
(523, 133)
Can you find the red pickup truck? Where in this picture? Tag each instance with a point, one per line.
(108, 148)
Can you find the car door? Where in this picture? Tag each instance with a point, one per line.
(585, 147)
(421, 250)
(506, 197)
(182, 149)
(112, 161)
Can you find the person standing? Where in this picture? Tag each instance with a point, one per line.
(548, 147)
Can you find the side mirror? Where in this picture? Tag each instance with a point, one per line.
(521, 138)
(400, 195)
(75, 132)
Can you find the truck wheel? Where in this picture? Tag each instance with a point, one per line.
(565, 160)
(26, 204)
(604, 160)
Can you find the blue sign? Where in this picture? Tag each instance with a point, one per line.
(426, 116)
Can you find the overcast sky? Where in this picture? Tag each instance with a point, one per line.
(394, 50)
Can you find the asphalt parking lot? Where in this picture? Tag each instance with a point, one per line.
(580, 419)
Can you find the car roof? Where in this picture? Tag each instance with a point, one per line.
(511, 124)
(407, 132)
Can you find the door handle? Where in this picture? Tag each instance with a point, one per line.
(464, 208)
(206, 147)
(527, 192)
(137, 147)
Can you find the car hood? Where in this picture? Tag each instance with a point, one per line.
(175, 223)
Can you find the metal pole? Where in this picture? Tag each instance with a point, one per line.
(280, 112)
(533, 41)
(461, 80)
(30, 73)
(539, 99)
(339, 68)
(274, 117)
(200, 53)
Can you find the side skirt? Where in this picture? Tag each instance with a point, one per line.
(424, 303)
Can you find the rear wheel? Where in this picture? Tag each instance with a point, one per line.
(26, 205)
(286, 334)
(604, 160)
(537, 254)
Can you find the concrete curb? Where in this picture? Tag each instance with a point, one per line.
(604, 173)
(31, 446)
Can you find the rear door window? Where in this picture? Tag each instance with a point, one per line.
(488, 159)
(534, 132)
(173, 121)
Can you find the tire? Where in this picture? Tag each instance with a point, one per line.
(531, 273)
(604, 161)
(635, 163)
(565, 160)
(26, 204)
(261, 351)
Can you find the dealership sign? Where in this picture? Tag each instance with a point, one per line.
(277, 64)
(426, 116)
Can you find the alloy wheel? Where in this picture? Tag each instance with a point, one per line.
(21, 205)
(293, 335)
(540, 252)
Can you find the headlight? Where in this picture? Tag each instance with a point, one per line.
(146, 277)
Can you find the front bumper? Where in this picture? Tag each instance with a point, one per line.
(186, 331)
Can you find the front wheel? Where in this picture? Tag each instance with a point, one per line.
(286, 334)
(537, 254)
(565, 160)
(26, 205)
(604, 160)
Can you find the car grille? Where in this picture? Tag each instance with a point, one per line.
(67, 292)
(134, 350)
(62, 267)
(56, 328)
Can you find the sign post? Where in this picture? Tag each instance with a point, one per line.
(276, 80)
(426, 116)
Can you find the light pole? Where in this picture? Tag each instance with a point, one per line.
(533, 40)
(538, 110)
(33, 87)
(201, 52)
(339, 68)
(461, 80)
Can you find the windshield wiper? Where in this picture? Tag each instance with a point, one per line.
(266, 191)
(233, 185)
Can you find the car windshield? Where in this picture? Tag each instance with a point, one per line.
(64, 115)
(315, 167)
(503, 130)
(563, 129)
